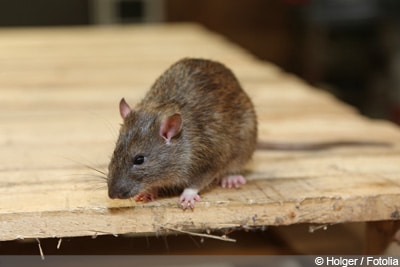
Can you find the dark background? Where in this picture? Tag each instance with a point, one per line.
(351, 48)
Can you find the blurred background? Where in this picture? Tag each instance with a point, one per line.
(350, 48)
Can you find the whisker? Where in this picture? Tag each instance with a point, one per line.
(94, 177)
(95, 186)
(87, 166)
(99, 188)
(94, 169)
(88, 175)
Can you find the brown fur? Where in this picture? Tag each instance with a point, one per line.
(218, 136)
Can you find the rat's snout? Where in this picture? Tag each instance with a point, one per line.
(121, 188)
(121, 193)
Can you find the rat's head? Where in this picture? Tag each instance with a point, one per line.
(145, 151)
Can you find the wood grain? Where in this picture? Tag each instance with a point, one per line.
(59, 90)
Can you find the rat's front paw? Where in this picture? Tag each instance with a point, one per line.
(233, 181)
(188, 197)
(146, 196)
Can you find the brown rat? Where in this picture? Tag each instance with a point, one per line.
(195, 126)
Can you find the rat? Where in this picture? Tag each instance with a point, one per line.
(195, 126)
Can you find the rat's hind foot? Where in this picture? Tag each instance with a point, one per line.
(233, 181)
(146, 196)
(188, 197)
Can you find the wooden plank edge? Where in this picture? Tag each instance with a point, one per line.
(139, 220)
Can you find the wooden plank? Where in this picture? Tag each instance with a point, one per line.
(58, 112)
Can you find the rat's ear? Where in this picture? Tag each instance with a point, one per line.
(171, 126)
(124, 108)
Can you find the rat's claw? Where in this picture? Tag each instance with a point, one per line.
(233, 181)
(145, 196)
(188, 197)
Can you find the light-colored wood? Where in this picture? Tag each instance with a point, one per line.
(59, 91)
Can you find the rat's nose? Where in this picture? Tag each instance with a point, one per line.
(121, 193)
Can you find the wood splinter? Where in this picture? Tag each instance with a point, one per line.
(223, 238)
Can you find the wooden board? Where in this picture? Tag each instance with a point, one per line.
(59, 91)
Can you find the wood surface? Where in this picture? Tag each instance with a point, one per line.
(59, 94)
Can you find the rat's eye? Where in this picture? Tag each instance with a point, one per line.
(138, 160)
